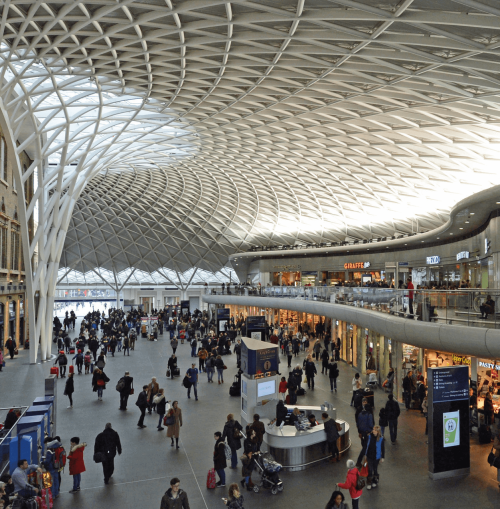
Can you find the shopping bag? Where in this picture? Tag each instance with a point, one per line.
(211, 483)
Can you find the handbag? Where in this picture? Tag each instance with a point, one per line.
(493, 460)
(132, 391)
(170, 420)
(168, 373)
(224, 367)
(364, 469)
(101, 382)
(236, 433)
(98, 457)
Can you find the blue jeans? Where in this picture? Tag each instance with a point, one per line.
(55, 483)
(220, 374)
(382, 429)
(160, 421)
(99, 392)
(210, 374)
(76, 481)
(120, 346)
(193, 351)
(195, 388)
(126, 349)
(222, 475)
(234, 458)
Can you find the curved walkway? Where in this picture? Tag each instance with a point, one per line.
(449, 338)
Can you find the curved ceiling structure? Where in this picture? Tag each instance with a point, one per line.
(223, 124)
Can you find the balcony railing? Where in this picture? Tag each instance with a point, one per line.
(468, 307)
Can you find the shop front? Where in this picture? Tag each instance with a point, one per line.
(488, 386)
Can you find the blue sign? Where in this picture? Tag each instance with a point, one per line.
(450, 384)
(258, 361)
(403, 264)
(433, 260)
(256, 322)
(223, 313)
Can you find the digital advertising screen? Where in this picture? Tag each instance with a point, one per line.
(266, 388)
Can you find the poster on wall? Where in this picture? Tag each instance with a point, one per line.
(222, 325)
(256, 335)
(451, 429)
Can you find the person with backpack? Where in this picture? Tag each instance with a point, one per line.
(333, 374)
(353, 484)
(232, 432)
(202, 356)
(142, 403)
(78, 358)
(392, 411)
(52, 464)
(172, 365)
(101, 360)
(194, 344)
(375, 453)
(69, 389)
(87, 362)
(220, 462)
(125, 388)
(62, 360)
(107, 444)
(153, 390)
(76, 463)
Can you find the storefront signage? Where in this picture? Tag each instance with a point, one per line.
(463, 254)
(451, 429)
(357, 265)
(489, 365)
(286, 267)
(450, 384)
(403, 264)
(457, 359)
(432, 260)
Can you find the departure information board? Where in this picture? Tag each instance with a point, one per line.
(450, 384)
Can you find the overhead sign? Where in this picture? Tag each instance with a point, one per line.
(223, 313)
(403, 264)
(463, 254)
(357, 265)
(450, 384)
(489, 365)
(433, 260)
(459, 359)
(451, 429)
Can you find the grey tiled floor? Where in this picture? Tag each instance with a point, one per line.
(148, 462)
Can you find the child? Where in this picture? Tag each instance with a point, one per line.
(76, 464)
(282, 388)
(382, 421)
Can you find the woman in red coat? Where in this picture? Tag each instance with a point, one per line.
(76, 463)
(350, 484)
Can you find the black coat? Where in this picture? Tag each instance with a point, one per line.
(310, 369)
(392, 410)
(228, 432)
(161, 406)
(142, 400)
(108, 443)
(70, 386)
(220, 455)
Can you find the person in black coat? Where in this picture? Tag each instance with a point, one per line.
(310, 369)
(69, 389)
(108, 444)
(281, 412)
(325, 357)
(333, 374)
(172, 365)
(142, 403)
(231, 428)
(161, 407)
(220, 458)
(126, 391)
(392, 412)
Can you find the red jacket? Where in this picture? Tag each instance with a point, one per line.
(75, 457)
(350, 483)
(283, 387)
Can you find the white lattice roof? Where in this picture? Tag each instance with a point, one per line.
(203, 128)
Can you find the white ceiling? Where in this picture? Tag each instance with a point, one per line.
(242, 123)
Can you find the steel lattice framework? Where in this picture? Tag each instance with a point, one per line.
(171, 134)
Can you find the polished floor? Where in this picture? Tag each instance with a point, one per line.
(148, 462)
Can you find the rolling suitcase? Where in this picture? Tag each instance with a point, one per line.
(54, 370)
(234, 390)
(71, 368)
(72, 350)
(211, 483)
(301, 392)
(177, 371)
(287, 399)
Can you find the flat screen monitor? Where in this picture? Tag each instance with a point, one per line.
(266, 388)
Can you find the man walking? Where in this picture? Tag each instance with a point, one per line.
(174, 498)
(142, 403)
(108, 444)
(392, 412)
(310, 372)
(126, 390)
(192, 374)
(408, 389)
(332, 435)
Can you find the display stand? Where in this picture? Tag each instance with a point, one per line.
(259, 381)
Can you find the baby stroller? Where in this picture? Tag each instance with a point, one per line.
(268, 469)
(372, 380)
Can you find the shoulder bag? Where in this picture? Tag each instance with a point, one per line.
(493, 460)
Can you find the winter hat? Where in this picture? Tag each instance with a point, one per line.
(62, 351)
(350, 464)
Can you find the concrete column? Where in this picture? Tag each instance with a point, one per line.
(6, 319)
(386, 365)
(363, 352)
(397, 363)
(17, 307)
(420, 359)
(359, 338)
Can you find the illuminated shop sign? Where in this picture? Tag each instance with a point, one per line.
(463, 254)
(286, 267)
(489, 365)
(432, 260)
(458, 359)
(357, 265)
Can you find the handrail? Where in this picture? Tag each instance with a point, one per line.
(477, 341)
